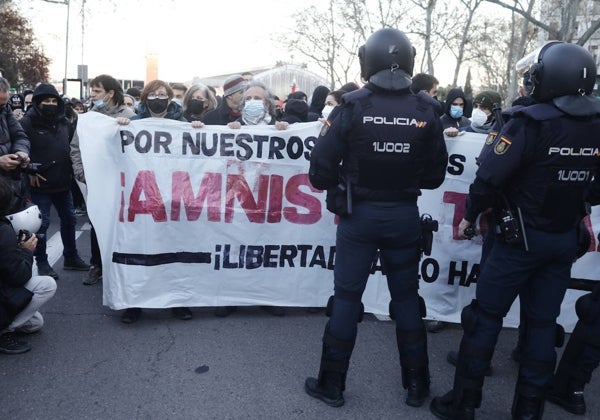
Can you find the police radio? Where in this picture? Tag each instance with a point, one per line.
(509, 227)
(512, 229)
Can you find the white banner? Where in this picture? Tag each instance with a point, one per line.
(214, 216)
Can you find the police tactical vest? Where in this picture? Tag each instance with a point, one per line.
(560, 160)
(385, 153)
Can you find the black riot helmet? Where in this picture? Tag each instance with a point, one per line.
(560, 69)
(387, 49)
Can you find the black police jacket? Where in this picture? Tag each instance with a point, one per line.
(543, 161)
(390, 145)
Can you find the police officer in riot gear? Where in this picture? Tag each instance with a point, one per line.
(542, 162)
(390, 145)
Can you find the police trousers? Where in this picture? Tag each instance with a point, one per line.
(392, 228)
(542, 276)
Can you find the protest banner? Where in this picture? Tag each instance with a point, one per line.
(216, 217)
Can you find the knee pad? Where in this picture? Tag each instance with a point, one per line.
(472, 313)
(329, 309)
(587, 308)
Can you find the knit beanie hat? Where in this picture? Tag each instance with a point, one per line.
(233, 84)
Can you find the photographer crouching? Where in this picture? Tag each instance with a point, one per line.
(21, 294)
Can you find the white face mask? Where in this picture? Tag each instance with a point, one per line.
(326, 111)
(478, 117)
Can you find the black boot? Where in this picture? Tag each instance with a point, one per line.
(566, 387)
(416, 382)
(569, 397)
(528, 403)
(447, 407)
(328, 388)
(335, 358)
(412, 348)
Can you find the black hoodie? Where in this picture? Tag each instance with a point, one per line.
(447, 120)
(50, 139)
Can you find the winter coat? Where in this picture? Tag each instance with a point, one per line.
(220, 116)
(447, 120)
(174, 112)
(12, 136)
(49, 138)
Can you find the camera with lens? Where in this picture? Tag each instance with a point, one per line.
(509, 227)
(24, 235)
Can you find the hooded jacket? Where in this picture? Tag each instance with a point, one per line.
(49, 138)
(317, 102)
(447, 120)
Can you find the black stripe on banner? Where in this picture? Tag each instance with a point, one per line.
(160, 259)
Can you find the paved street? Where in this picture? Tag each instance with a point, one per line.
(86, 364)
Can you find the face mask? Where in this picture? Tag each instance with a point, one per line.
(326, 111)
(254, 108)
(157, 106)
(49, 110)
(177, 101)
(101, 103)
(195, 106)
(478, 117)
(456, 111)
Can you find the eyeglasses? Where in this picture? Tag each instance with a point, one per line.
(158, 96)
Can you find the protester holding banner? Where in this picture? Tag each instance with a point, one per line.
(257, 108)
(390, 146)
(229, 109)
(108, 99)
(197, 102)
(540, 165)
(157, 102)
(453, 119)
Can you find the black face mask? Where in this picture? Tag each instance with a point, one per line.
(157, 106)
(49, 110)
(196, 106)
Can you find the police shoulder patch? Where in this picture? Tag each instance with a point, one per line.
(490, 138)
(502, 146)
